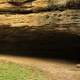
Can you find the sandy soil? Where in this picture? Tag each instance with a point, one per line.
(58, 69)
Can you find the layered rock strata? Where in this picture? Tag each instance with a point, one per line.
(36, 22)
(63, 15)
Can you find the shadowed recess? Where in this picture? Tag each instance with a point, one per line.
(39, 43)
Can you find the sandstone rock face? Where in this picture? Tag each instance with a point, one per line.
(47, 24)
(42, 4)
(62, 15)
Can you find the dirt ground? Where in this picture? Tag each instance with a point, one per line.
(58, 69)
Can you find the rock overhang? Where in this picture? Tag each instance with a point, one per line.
(44, 23)
(62, 15)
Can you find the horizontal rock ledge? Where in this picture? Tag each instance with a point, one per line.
(59, 20)
(39, 5)
(41, 19)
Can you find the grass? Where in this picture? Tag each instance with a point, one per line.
(13, 71)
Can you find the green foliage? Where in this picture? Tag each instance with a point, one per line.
(13, 71)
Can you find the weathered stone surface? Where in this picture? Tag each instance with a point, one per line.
(62, 15)
(38, 5)
(46, 25)
(58, 20)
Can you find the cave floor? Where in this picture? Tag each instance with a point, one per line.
(59, 69)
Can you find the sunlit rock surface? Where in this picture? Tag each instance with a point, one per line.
(62, 15)
(40, 26)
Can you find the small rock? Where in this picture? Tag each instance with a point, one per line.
(77, 65)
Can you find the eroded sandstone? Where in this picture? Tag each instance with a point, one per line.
(38, 5)
(42, 25)
(62, 15)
